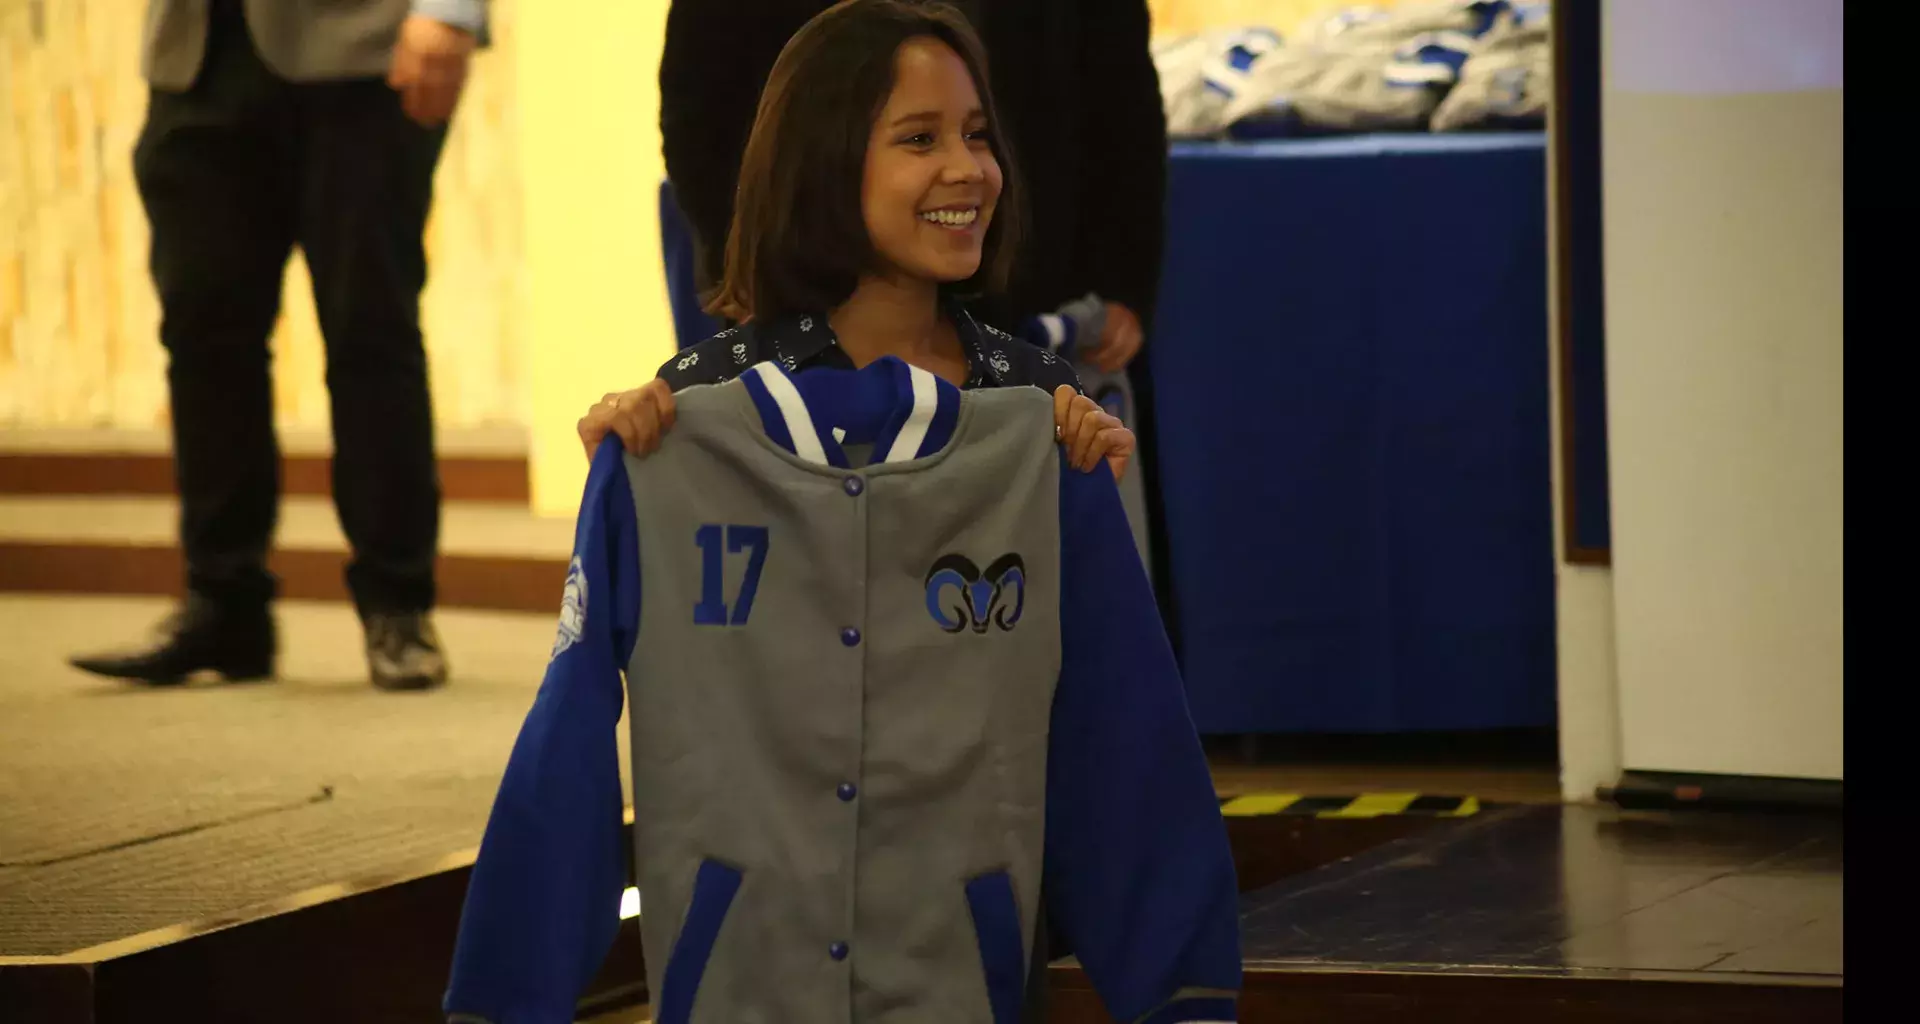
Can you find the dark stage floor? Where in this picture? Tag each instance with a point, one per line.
(1552, 915)
(1573, 890)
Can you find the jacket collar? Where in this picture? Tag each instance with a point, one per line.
(904, 412)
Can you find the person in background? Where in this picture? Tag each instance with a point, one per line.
(270, 124)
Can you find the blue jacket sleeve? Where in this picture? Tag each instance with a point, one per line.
(543, 902)
(1139, 878)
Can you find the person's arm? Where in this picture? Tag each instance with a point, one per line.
(1062, 331)
(543, 903)
(431, 54)
(470, 16)
(1138, 878)
(713, 64)
(1123, 182)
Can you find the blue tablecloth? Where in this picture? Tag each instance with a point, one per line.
(1351, 375)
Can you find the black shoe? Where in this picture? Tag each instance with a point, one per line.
(403, 651)
(200, 637)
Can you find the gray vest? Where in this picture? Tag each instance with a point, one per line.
(823, 766)
(301, 40)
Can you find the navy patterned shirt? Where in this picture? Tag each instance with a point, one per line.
(995, 359)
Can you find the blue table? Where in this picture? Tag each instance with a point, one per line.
(1358, 512)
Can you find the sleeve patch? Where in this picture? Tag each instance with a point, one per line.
(573, 609)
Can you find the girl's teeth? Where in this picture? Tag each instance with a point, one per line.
(951, 218)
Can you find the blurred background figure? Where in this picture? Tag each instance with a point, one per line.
(272, 124)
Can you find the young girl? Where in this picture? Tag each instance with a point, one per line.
(894, 678)
(869, 203)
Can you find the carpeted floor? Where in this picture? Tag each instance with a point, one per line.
(124, 809)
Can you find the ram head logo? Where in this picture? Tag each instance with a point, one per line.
(959, 595)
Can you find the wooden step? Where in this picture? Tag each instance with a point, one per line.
(462, 478)
(492, 555)
(485, 465)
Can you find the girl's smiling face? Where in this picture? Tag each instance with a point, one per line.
(931, 180)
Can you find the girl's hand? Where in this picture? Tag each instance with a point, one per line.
(639, 416)
(1090, 432)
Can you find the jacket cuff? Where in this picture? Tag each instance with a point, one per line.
(470, 15)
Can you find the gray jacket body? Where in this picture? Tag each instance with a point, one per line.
(830, 759)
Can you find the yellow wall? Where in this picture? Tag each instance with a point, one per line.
(598, 315)
(1176, 17)
(78, 319)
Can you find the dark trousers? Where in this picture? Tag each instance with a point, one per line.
(234, 173)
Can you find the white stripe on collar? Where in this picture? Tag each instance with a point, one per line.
(913, 433)
(1056, 326)
(793, 409)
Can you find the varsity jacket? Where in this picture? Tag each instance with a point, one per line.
(890, 661)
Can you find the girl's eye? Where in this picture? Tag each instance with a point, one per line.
(980, 135)
(921, 139)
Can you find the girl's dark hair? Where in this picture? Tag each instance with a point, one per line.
(799, 241)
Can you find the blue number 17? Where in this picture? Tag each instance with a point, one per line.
(712, 609)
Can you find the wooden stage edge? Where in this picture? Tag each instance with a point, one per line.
(464, 581)
(477, 478)
(377, 952)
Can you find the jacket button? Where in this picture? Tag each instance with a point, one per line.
(853, 486)
(847, 792)
(850, 636)
(838, 951)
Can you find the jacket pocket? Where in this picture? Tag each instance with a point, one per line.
(996, 926)
(714, 888)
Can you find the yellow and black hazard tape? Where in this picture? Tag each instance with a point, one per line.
(1363, 805)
